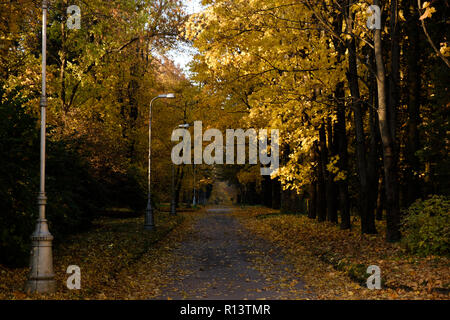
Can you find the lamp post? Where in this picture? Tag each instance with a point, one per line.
(149, 222)
(41, 276)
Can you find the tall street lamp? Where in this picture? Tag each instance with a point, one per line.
(41, 278)
(149, 222)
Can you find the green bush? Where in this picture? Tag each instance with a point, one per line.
(426, 226)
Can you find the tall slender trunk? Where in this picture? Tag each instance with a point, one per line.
(340, 130)
(367, 224)
(267, 191)
(414, 81)
(394, 77)
(312, 207)
(390, 168)
(62, 75)
(321, 188)
(286, 204)
(330, 184)
(380, 199)
(373, 162)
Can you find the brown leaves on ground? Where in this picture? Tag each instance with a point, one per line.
(106, 255)
(334, 262)
(120, 260)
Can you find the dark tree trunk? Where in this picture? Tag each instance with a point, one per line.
(380, 199)
(286, 203)
(340, 131)
(312, 204)
(330, 184)
(367, 226)
(276, 194)
(321, 188)
(373, 165)
(394, 78)
(412, 167)
(266, 186)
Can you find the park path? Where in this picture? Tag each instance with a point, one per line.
(220, 259)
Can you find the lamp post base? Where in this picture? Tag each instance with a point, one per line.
(40, 286)
(41, 277)
(149, 223)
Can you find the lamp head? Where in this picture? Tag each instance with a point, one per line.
(167, 95)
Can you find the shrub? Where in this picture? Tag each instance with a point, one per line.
(73, 194)
(426, 226)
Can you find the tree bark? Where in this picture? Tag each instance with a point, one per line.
(330, 184)
(340, 131)
(276, 194)
(373, 162)
(267, 191)
(367, 226)
(412, 168)
(380, 199)
(390, 168)
(312, 207)
(321, 188)
(394, 78)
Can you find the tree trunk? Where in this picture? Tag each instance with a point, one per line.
(312, 204)
(321, 189)
(380, 199)
(394, 78)
(330, 184)
(340, 131)
(367, 225)
(62, 75)
(390, 168)
(412, 168)
(373, 165)
(267, 191)
(276, 194)
(312, 207)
